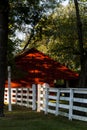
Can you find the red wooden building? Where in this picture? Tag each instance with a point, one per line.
(34, 67)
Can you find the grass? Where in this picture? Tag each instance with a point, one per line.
(24, 119)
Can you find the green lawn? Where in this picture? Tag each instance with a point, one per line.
(25, 119)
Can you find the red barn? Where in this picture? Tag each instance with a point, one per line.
(37, 68)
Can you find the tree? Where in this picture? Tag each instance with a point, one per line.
(3, 49)
(83, 51)
(59, 36)
(27, 14)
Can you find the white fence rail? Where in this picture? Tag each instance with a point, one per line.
(22, 96)
(69, 102)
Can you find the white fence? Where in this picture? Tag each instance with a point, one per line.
(22, 96)
(69, 102)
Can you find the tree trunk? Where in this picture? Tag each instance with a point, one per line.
(83, 53)
(3, 50)
(83, 73)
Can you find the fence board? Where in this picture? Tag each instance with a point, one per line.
(83, 109)
(64, 106)
(82, 118)
(80, 100)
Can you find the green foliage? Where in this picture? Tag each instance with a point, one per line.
(24, 16)
(59, 35)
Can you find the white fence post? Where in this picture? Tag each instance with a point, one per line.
(57, 102)
(27, 97)
(21, 96)
(34, 97)
(46, 99)
(12, 96)
(16, 95)
(71, 104)
(9, 89)
(46, 88)
(38, 97)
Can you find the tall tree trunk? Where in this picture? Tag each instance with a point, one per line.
(83, 53)
(3, 50)
(83, 73)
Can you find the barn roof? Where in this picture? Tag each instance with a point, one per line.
(37, 67)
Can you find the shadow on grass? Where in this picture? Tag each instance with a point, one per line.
(22, 118)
